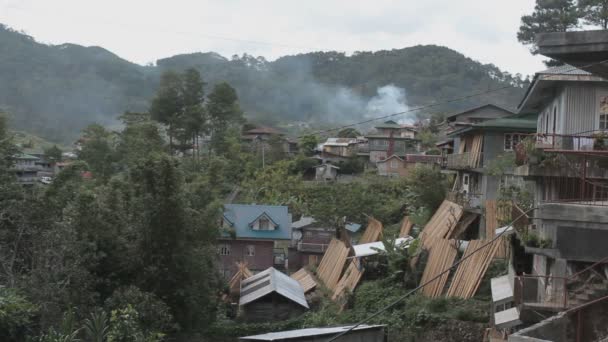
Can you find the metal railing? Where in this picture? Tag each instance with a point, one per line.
(562, 292)
(466, 200)
(590, 141)
(592, 192)
(460, 161)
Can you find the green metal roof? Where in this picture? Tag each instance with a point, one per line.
(24, 156)
(389, 124)
(518, 123)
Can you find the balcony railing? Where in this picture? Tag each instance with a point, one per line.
(463, 161)
(592, 142)
(593, 192)
(466, 200)
(312, 247)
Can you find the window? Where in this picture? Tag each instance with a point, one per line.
(511, 141)
(250, 250)
(224, 249)
(604, 121)
(394, 164)
(382, 142)
(264, 224)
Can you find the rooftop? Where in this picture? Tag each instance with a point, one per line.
(241, 216)
(282, 335)
(262, 130)
(515, 123)
(270, 281)
(473, 109)
(340, 141)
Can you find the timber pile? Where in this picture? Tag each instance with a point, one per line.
(332, 264)
(475, 155)
(444, 221)
(349, 280)
(470, 272)
(372, 232)
(491, 226)
(305, 279)
(406, 227)
(442, 253)
(466, 220)
(241, 274)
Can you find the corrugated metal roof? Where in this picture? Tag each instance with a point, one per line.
(374, 248)
(564, 70)
(340, 141)
(303, 222)
(270, 281)
(353, 227)
(281, 335)
(241, 215)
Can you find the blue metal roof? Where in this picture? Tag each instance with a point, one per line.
(241, 216)
(353, 227)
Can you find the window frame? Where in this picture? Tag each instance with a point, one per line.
(266, 222)
(224, 249)
(511, 140)
(250, 250)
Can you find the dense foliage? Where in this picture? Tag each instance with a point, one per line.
(55, 91)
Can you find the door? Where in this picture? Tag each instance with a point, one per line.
(466, 181)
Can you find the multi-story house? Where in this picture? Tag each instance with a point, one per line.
(26, 169)
(395, 166)
(391, 138)
(558, 268)
(259, 140)
(251, 234)
(479, 149)
(310, 240)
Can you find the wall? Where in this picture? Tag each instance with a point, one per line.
(272, 307)
(262, 260)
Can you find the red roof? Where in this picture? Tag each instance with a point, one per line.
(263, 130)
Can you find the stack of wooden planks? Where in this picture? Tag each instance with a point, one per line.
(332, 264)
(466, 220)
(373, 232)
(470, 272)
(502, 250)
(241, 274)
(444, 221)
(406, 227)
(475, 154)
(442, 253)
(349, 280)
(305, 279)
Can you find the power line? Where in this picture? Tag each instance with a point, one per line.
(400, 299)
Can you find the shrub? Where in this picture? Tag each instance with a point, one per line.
(16, 315)
(153, 313)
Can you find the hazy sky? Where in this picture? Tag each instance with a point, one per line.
(144, 31)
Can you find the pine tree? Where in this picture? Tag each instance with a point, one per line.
(594, 12)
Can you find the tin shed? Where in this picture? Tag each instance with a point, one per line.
(362, 333)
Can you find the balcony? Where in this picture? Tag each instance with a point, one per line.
(464, 161)
(312, 247)
(466, 200)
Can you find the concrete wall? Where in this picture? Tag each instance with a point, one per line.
(554, 329)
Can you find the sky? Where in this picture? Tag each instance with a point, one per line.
(144, 31)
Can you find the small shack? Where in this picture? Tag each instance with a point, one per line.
(326, 172)
(362, 333)
(271, 295)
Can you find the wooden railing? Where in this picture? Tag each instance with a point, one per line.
(463, 161)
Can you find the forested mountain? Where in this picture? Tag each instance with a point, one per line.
(55, 90)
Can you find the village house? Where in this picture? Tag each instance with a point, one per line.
(270, 296)
(259, 140)
(252, 234)
(395, 166)
(310, 240)
(476, 161)
(342, 147)
(391, 138)
(326, 172)
(25, 168)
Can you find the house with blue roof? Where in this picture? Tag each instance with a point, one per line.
(250, 233)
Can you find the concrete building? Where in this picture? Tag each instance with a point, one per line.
(252, 234)
(391, 138)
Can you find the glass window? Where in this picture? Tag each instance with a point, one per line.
(224, 249)
(511, 141)
(250, 250)
(264, 224)
(604, 121)
(394, 164)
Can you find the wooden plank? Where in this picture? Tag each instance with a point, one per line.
(492, 216)
(305, 279)
(332, 264)
(349, 280)
(241, 274)
(373, 232)
(465, 221)
(471, 271)
(444, 221)
(442, 253)
(406, 227)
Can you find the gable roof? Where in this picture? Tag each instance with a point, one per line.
(241, 215)
(473, 109)
(535, 95)
(263, 130)
(269, 281)
(304, 221)
(392, 156)
(515, 124)
(340, 141)
(264, 214)
(329, 165)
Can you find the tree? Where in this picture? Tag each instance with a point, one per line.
(349, 133)
(54, 154)
(594, 12)
(548, 16)
(308, 144)
(223, 110)
(167, 105)
(98, 150)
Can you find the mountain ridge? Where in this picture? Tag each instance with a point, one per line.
(56, 90)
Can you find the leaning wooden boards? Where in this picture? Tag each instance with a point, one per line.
(349, 280)
(332, 264)
(305, 279)
(372, 232)
(406, 227)
(442, 253)
(468, 276)
(444, 220)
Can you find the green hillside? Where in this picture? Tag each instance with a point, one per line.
(55, 90)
